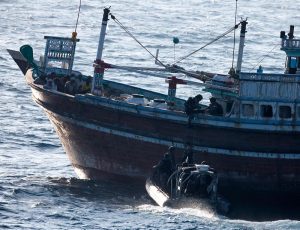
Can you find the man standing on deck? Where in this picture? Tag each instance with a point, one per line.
(191, 106)
(214, 109)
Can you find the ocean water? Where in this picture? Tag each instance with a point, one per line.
(38, 187)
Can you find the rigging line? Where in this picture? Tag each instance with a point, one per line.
(207, 44)
(233, 50)
(134, 38)
(79, 8)
(264, 56)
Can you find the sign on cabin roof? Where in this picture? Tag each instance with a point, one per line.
(269, 86)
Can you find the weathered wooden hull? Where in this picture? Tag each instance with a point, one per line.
(102, 138)
(94, 154)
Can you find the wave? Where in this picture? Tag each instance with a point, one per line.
(43, 145)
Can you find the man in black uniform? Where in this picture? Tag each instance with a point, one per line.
(188, 156)
(191, 106)
(214, 108)
(164, 169)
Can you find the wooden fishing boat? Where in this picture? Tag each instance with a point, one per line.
(117, 130)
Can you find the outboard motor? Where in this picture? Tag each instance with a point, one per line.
(198, 181)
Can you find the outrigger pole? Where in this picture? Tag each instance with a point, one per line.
(97, 87)
(141, 70)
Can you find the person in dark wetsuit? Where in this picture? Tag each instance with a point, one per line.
(214, 109)
(188, 156)
(191, 106)
(164, 169)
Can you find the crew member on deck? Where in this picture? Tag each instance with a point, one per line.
(191, 106)
(71, 87)
(59, 83)
(260, 70)
(214, 109)
(86, 86)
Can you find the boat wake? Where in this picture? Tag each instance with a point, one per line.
(197, 208)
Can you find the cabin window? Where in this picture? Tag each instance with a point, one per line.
(285, 111)
(248, 110)
(266, 110)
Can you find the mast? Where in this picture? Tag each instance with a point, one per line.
(241, 46)
(97, 87)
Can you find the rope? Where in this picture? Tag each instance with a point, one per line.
(233, 50)
(134, 38)
(172, 66)
(264, 56)
(78, 16)
(207, 44)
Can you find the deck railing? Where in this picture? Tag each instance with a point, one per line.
(60, 50)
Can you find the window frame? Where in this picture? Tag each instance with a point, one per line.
(242, 110)
(291, 111)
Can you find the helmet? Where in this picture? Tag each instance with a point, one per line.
(213, 99)
(199, 97)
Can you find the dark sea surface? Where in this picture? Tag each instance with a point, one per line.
(38, 187)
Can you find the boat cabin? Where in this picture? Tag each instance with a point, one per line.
(291, 47)
(268, 96)
(273, 96)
